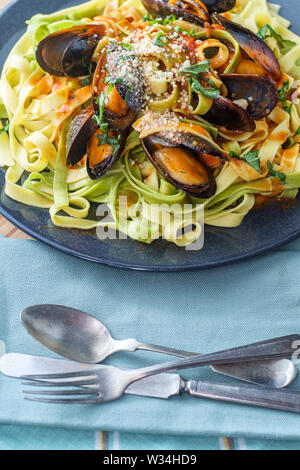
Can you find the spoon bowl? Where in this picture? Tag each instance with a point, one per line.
(69, 332)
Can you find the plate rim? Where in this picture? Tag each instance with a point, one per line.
(136, 267)
(117, 264)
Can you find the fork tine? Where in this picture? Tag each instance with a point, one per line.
(60, 392)
(66, 401)
(69, 383)
(67, 375)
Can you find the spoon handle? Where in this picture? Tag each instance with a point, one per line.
(164, 350)
(276, 373)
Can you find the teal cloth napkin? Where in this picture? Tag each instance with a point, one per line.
(205, 311)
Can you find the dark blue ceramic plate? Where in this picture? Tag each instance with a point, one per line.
(261, 231)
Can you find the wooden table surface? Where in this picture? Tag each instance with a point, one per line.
(6, 228)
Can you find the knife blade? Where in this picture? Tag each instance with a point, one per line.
(16, 365)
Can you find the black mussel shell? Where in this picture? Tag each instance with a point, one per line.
(255, 47)
(260, 93)
(122, 115)
(219, 6)
(69, 52)
(81, 129)
(96, 171)
(193, 142)
(156, 145)
(131, 82)
(227, 114)
(163, 8)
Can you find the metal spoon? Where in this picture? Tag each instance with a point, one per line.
(83, 338)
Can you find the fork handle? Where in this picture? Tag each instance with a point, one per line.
(282, 347)
(267, 397)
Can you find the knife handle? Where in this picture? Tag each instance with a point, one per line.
(267, 397)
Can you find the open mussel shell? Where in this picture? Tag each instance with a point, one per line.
(100, 158)
(117, 113)
(81, 129)
(191, 11)
(227, 114)
(180, 165)
(259, 92)
(255, 47)
(69, 52)
(130, 85)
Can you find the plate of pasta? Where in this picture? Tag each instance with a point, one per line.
(156, 121)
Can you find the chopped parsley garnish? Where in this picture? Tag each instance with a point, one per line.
(284, 45)
(124, 45)
(123, 58)
(5, 128)
(191, 32)
(104, 138)
(101, 102)
(160, 40)
(157, 20)
(282, 92)
(277, 174)
(194, 73)
(252, 158)
(113, 45)
(113, 81)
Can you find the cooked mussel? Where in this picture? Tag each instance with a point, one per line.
(123, 98)
(184, 154)
(102, 155)
(180, 165)
(259, 92)
(227, 114)
(255, 47)
(126, 72)
(193, 11)
(69, 52)
(81, 129)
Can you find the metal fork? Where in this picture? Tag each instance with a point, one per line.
(110, 383)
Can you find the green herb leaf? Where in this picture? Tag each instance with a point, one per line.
(282, 91)
(124, 45)
(277, 174)
(104, 138)
(123, 58)
(284, 44)
(98, 117)
(158, 20)
(160, 40)
(195, 74)
(5, 128)
(189, 33)
(252, 158)
(212, 92)
(202, 67)
(297, 63)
